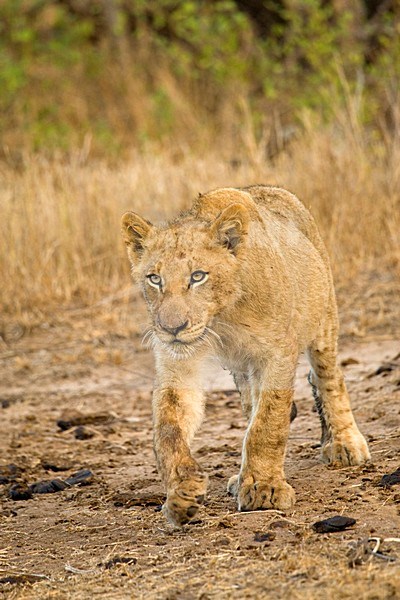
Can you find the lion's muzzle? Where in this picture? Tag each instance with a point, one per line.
(174, 330)
(173, 316)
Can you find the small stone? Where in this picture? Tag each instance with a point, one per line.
(20, 491)
(390, 479)
(261, 536)
(349, 361)
(48, 487)
(82, 433)
(333, 524)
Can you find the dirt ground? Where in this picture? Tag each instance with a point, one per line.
(108, 539)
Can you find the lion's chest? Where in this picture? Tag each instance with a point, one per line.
(240, 348)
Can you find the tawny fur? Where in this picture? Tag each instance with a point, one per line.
(266, 297)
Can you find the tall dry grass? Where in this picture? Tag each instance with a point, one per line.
(59, 229)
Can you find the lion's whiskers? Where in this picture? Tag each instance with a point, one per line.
(147, 334)
(208, 337)
(226, 325)
(211, 332)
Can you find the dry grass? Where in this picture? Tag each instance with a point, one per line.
(59, 233)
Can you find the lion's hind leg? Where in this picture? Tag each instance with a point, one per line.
(342, 443)
(319, 407)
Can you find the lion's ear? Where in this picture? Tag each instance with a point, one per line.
(231, 226)
(134, 232)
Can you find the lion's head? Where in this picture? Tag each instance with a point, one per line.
(188, 273)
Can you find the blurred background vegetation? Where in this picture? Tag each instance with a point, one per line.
(112, 74)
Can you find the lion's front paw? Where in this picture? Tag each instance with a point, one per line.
(348, 448)
(255, 495)
(184, 500)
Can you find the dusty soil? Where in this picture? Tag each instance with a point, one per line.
(108, 538)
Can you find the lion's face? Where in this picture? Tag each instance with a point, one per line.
(188, 275)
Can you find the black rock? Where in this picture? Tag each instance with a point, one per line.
(333, 524)
(20, 491)
(120, 560)
(390, 479)
(261, 536)
(48, 487)
(81, 433)
(82, 477)
(9, 473)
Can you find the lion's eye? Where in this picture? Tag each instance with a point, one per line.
(154, 280)
(198, 277)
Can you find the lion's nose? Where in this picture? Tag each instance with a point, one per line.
(175, 330)
(173, 315)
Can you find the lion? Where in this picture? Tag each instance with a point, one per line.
(245, 276)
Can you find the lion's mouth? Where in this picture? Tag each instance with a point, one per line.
(178, 347)
(177, 343)
(181, 348)
(185, 339)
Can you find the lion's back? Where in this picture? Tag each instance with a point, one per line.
(279, 203)
(287, 206)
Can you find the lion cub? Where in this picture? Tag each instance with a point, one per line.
(244, 275)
